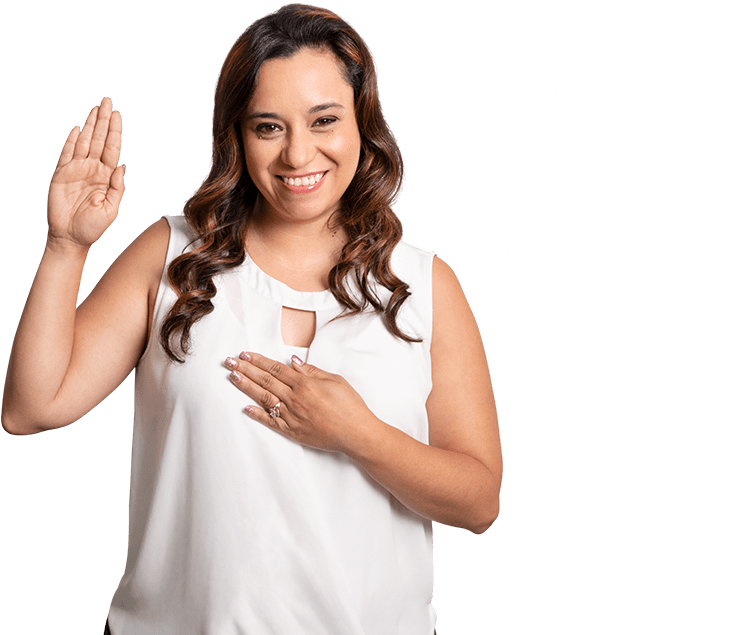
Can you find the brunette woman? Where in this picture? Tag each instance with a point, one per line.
(311, 392)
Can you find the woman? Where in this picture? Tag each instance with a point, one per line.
(310, 392)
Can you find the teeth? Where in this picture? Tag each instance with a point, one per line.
(305, 180)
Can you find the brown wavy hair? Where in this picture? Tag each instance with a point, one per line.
(220, 210)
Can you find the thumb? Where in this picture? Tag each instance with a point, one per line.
(116, 187)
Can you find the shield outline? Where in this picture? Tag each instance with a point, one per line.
(738, 58)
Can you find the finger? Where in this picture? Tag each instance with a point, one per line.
(116, 187)
(307, 369)
(101, 128)
(264, 371)
(69, 147)
(275, 423)
(84, 139)
(111, 153)
(260, 395)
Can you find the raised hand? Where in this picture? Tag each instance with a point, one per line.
(87, 186)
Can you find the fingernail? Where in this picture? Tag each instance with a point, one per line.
(297, 360)
(123, 168)
(249, 410)
(245, 356)
(234, 376)
(231, 363)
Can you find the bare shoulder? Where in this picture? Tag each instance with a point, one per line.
(128, 288)
(138, 270)
(155, 236)
(147, 253)
(456, 346)
(450, 308)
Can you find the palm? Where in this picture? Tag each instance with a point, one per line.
(87, 186)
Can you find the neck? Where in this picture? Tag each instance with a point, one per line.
(298, 254)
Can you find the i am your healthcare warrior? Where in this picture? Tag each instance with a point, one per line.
(552, 110)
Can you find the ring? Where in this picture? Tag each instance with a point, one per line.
(275, 412)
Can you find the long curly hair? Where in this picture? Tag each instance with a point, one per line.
(220, 210)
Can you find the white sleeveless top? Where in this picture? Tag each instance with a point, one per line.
(237, 530)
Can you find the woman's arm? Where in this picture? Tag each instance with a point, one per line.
(456, 478)
(64, 361)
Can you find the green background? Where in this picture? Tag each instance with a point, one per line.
(627, 517)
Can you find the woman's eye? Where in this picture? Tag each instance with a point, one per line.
(266, 129)
(325, 121)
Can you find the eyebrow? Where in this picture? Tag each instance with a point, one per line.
(319, 108)
(312, 111)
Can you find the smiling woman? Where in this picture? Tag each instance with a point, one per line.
(297, 364)
(301, 139)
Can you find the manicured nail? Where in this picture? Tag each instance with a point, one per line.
(124, 167)
(297, 360)
(245, 356)
(234, 376)
(249, 410)
(230, 363)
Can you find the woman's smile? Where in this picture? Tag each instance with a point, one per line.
(300, 135)
(304, 184)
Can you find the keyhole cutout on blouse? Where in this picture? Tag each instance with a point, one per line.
(297, 327)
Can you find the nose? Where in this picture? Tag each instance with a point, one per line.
(299, 149)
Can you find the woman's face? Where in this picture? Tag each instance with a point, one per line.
(300, 135)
